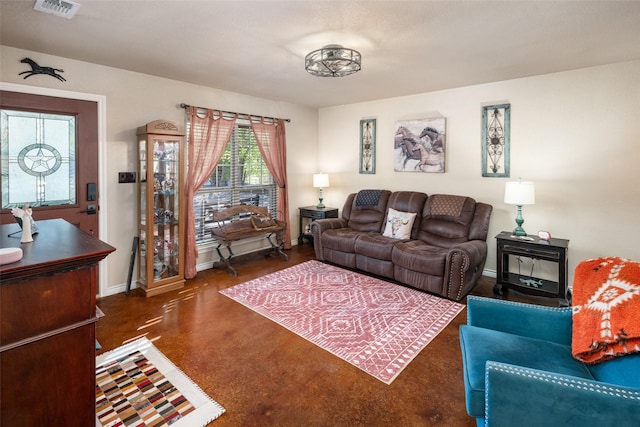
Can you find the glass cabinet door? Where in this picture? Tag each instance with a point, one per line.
(166, 208)
(142, 209)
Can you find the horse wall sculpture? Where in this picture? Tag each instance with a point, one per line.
(36, 69)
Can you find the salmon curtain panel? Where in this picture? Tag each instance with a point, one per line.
(272, 142)
(208, 137)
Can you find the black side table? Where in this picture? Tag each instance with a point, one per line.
(554, 250)
(309, 214)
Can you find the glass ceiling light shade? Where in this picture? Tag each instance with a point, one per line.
(519, 193)
(333, 61)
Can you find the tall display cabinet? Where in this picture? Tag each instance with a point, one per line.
(160, 218)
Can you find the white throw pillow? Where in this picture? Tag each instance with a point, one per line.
(399, 224)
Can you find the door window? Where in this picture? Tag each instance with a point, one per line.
(38, 159)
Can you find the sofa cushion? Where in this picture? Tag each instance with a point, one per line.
(340, 239)
(446, 220)
(416, 255)
(623, 371)
(399, 224)
(374, 245)
(480, 345)
(409, 201)
(364, 215)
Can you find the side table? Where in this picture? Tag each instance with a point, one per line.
(309, 214)
(553, 250)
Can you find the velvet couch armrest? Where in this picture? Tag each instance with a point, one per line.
(529, 397)
(529, 320)
(319, 226)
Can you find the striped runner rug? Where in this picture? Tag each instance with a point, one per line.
(137, 386)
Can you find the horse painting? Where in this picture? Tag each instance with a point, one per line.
(36, 69)
(426, 151)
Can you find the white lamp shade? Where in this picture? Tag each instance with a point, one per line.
(519, 193)
(320, 180)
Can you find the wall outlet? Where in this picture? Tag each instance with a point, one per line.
(126, 177)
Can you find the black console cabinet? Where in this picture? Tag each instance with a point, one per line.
(554, 250)
(311, 213)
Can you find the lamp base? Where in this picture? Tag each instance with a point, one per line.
(320, 205)
(519, 231)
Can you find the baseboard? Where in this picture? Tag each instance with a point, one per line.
(207, 265)
(489, 273)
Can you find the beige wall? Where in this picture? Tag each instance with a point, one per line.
(575, 134)
(132, 100)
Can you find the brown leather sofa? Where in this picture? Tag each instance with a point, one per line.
(444, 254)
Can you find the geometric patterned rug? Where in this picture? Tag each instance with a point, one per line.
(378, 326)
(136, 385)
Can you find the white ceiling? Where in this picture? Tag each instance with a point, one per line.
(258, 47)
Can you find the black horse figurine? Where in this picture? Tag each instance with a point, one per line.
(36, 69)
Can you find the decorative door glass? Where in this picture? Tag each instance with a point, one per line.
(38, 159)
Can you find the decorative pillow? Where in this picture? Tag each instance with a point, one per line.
(399, 224)
(262, 222)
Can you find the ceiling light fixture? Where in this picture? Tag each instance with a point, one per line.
(333, 61)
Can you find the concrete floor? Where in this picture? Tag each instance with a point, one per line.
(265, 375)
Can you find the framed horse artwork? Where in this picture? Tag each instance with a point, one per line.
(420, 145)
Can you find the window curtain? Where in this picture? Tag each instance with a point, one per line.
(272, 141)
(208, 137)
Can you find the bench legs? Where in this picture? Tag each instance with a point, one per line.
(227, 260)
(276, 250)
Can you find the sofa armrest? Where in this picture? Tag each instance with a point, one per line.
(529, 320)
(464, 265)
(475, 252)
(529, 397)
(319, 226)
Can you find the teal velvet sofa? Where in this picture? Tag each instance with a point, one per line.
(519, 371)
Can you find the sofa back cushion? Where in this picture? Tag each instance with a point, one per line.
(368, 210)
(446, 220)
(408, 201)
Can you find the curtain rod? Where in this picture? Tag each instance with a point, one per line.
(241, 115)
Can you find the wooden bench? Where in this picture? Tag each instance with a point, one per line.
(245, 221)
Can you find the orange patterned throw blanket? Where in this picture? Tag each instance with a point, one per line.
(606, 309)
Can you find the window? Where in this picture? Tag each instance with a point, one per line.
(38, 159)
(241, 177)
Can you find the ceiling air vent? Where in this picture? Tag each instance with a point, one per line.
(62, 8)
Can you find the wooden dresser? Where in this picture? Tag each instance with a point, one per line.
(47, 327)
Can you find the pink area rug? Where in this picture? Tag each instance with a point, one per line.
(375, 325)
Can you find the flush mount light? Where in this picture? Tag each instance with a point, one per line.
(333, 61)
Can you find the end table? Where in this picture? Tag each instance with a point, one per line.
(309, 214)
(553, 250)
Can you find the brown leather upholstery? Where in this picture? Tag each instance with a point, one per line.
(373, 251)
(446, 252)
(362, 216)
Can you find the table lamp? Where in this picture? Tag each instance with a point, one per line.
(320, 180)
(519, 193)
